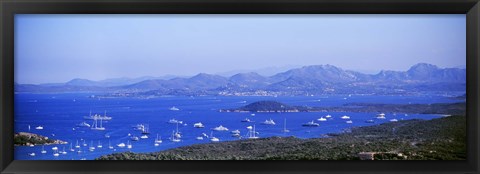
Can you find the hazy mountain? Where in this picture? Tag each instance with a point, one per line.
(314, 79)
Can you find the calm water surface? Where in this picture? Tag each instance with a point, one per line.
(60, 113)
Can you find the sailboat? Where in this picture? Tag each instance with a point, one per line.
(43, 149)
(145, 130)
(84, 144)
(157, 141)
(285, 126)
(212, 138)
(99, 144)
(91, 148)
(95, 127)
(110, 145)
(64, 152)
(71, 147)
(174, 138)
(129, 145)
(252, 134)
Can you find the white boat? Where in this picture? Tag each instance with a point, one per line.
(31, 145)
(381, 116)
(95, 125)
(71, 147)
(144, 137)
(251, 133)
(246, 120)
(39, 127)
(328, 116)
(198, 125)
(83, 124)
(235, 131)
(311, 124)
(285, 126)
(91, 148)
(156, 144)
(200, 138)
(99, 145)
(55, 148)
(84, 143)
(252, 114)
(393, 120)
(121, 145)
(174, 138)
(134, 138)
(158, 140)
(77, 145)
(97, 116)
(349, 122)
(174, 121)
(370, 121)
(43, 149)
(212, 138)
(269, 122)
(64, 152)
(56, 154)
(322, 119)
(31, 154)
(110, 145)
(145, 130)
(107, 135)
(235, 135)
(220, 128)
(129, 145)
(173, 108)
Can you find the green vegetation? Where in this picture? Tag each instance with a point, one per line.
(24, 138)
(437, 139)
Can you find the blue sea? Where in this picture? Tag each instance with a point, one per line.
(60, 113)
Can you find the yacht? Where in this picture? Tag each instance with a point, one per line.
(95, 125)
(251, 133)
(328, 116)
(43, 149)
(174, 121)
(213, 139)
(199, 138)
(349, 122)
(99, 145)
(83, 124)
(121, 145)
(97, 116)
(129, 145)
(311, 124)
(174, 138)
(198, 125)
(322, 119)
(269, 122)
(158, 140)
(144, 137)
(134, 138)
(381, 116)
(285, 126)
(345, 117)
(55, 148)
(173, 108)
(39, 127)
(220, 128)
(246, 120)
(56, 154)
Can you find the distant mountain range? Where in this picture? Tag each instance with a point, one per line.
(307, 80)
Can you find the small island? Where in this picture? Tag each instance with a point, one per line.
(26, 139)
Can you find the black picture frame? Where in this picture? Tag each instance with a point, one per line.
(9, 8)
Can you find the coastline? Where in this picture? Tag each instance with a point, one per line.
(443, 138)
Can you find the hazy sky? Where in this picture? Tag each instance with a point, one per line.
(58, 48)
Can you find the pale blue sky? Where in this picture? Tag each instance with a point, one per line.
(58, 48)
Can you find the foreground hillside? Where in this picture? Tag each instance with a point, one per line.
(437, 139)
